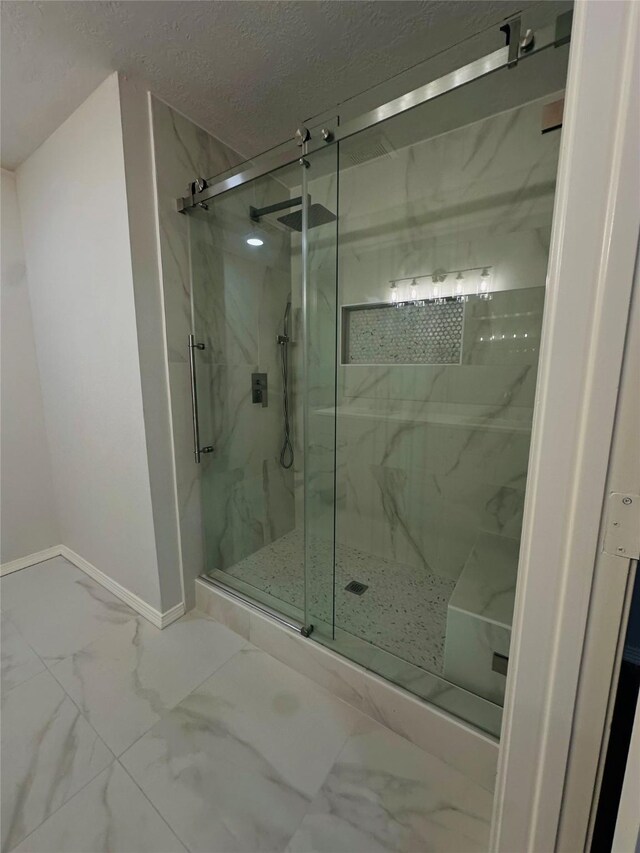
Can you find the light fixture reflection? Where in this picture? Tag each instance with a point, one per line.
(485, 281)
(255, 241)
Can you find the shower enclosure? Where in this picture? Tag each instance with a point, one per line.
(367, 304)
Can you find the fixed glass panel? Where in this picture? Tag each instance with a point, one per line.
(443, 241)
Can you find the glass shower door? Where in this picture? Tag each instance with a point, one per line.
(443, 239)
(266, 383)
(246, 316)
(318, 283)
(370, 317)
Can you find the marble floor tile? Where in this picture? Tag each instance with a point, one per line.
(49, 752)
(236, 764)
(69, 617)
(109, 814)
(39, 581)
(19, 661)
(385, 794)
(145, 670)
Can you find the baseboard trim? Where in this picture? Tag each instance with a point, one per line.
(156, 617)
(171, 615)
(30, 560)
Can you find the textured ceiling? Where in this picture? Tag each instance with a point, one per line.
(246, 71)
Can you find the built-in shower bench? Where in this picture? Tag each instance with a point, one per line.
(479, 617)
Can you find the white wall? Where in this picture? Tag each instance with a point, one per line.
(29, 521)
(75, 226)
(135, 107)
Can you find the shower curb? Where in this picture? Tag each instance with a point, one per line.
(469, 750)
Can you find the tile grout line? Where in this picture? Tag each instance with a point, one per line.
(327, 774)
(369, 713)
(28, 644)
(89, 781)
(168, 710)
(117, 756)
(83, 577)
(152, 804)
(80, 711)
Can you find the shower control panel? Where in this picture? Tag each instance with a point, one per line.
(259, 389)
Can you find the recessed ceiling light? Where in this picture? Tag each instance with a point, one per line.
(255, 241)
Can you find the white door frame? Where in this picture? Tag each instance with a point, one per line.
(611, 593)
(627, 833)
(593, 246)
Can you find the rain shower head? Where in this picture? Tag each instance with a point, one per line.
(317, 215)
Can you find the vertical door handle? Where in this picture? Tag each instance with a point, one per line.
(197, 450)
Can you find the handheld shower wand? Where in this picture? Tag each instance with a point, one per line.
(286, 453)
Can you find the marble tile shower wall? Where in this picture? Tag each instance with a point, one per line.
(182, 151)
(429, 456)
(240, 295)
(239, 306)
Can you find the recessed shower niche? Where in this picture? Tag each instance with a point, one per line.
(392, 455)
(426, 332)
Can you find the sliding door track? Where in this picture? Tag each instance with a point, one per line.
(292, 624)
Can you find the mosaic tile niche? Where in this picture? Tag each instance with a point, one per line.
(420, 333)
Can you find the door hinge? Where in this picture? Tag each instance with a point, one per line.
(622, 532)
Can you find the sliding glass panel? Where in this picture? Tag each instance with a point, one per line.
(246, 312)
(444, 228)
(318, 281)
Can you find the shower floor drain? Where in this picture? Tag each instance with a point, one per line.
(356, 587)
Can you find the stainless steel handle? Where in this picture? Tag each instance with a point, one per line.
(197, 450)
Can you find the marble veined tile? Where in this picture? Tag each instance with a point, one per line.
(385, 794)
(235, 765)
(227, 611)
(19, 661)
(109, 814)
(487, 585)
(145, 670)
(49, 752)
(469, 650)
(73, 613)
(35, 582)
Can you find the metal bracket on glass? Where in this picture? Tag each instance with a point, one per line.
(302, 135)
(512, 32)
(197, 450)
(306, 630)
(499, 663)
